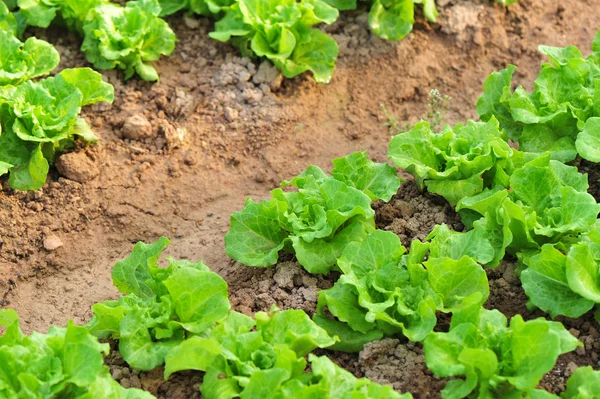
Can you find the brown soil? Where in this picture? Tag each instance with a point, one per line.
(176, 158)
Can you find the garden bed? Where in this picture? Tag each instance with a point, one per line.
(177, 157)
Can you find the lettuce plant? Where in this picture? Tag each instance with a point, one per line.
(114, 36)
(328, 380)
(250, 358)
(180, 316)
(391, 19)
(383, 292)
(495, 360)
(584, 383)
(280, 30)
(265, 358)
(20, 61)
(545, 202)
(40, 118)
(127, 37)
(65, 363)
(564, 281)
(161, 308)
(315, 222)
(561, 114)
(458, 162)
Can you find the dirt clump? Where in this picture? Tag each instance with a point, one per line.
(286, 285)
(401, 365)
(412, 214)
(77, 166)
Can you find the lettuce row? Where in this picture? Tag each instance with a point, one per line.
(458, 162)
(66, 362)
(315, 222)
(521, 203)
(383, 292)
(562, 113)
(496, 360)
(126, 38)
(180, 316)
(38, 119)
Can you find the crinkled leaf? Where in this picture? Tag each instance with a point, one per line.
(588, 141)
(257, 233)
(377, 180)
(545, 283)
(584, 383)
(460, 283)
(392, 20)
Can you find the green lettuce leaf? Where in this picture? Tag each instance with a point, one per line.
(546, 284)
(588, 141)
(20, 61)
(8, 22)
(584, 383)
(392, 19)
(377, 180)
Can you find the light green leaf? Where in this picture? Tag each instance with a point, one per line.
(588, 141)
(132, 274)
(377, 180)
(392, 20)
(349, 339)
(545, 283)
(90, 84)
(257, 234)
(584, 383)
(342, 301)
(293, 328)
(582, 271)
(461, 283)
(194, 353)
(315, 52)
(200, 298)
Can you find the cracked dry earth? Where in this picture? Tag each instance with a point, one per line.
(176, 158)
